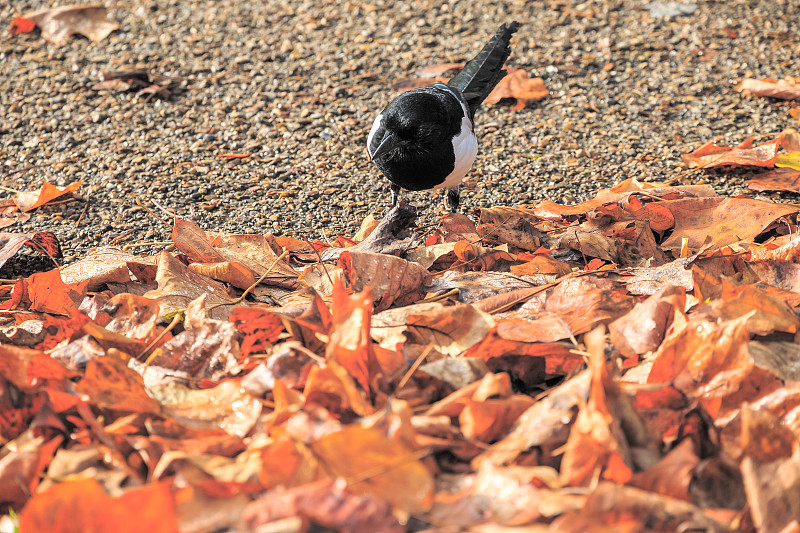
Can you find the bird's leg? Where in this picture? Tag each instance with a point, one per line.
(453, 198)
(395, 193)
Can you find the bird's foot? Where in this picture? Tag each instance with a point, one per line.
(452, 198)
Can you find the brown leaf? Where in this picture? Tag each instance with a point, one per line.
(596, 443)
(771, 488)
(710, 155)
(780, 179)
(327, 502)
(208, 351)
(99, 267)
(548, 209)
(785, 89)
(705, 356)
(764, 438)
(227, 272)
(190, 239)
(545, 424)
(177, 286)
(516, 84)
(30, 200)
(672, 475)
(541, 264)
(58, 23)
(392, 281)
(11, 243)
(258, 253)
(651, 280)
(643, 328)
(350, 343)
(110, 384)
(82, 505)
(450, 330)
(384, 469)
(724, 220)
(226, 406)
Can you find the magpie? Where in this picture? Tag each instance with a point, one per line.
(425, 138)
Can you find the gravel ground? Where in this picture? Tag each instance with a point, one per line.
(298, 84)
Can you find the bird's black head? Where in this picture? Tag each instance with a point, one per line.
(417, 121)
(418, 118)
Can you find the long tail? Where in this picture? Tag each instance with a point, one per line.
(479, 76)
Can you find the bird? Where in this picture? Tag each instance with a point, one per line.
(425, 137)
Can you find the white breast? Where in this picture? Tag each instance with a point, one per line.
(465, 147)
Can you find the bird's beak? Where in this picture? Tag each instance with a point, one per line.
(389, 142)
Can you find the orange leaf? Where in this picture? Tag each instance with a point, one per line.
(385, 469)
(22, 25)
(710, 155)
(516, 84)
(83, 506)
(27, 201)
(110, 384)
(724, 220)
(780, 179)
(48, 294)
(260, 328)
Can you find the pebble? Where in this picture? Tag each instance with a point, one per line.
(298, 83)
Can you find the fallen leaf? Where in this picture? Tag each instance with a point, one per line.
(377, 467)
(643, 328)
(327, 502)
(710, 155)
(770, 487)
(44, 242)
(785, 89)
(98, 268)
(597, 444)
(58, 23)
(516, 84)
(780, 179)
(724, 220)
(391, 280)
(110, 384)
(226, 406)
(82, 505)
(30, 200)
(177, 286)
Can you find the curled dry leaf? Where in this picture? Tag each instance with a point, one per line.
(786, 89)
(58, 23)
(226, 406)
(83, 505)
(258, 253)
(724, 220)
(377, 467)
(11, 243)
(100, 267)
(710, 155)
(517, 85)
(30, 200)
(393, 281)
(780, 179)
(643, 328)
(177, 286)
(234, 273)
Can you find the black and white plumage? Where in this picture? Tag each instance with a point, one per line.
(425, 138)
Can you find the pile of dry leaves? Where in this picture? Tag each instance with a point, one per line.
(625, 364)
